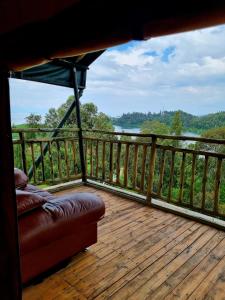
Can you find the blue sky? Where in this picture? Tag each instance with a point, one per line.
(184, 71)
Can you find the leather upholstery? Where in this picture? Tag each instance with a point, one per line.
(28, 201)
(56, 230)
(20, 178)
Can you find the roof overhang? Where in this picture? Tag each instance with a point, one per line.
(35, 32)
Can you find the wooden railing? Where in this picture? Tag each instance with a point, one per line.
(61, 162)
(189, 175)
(161, 167)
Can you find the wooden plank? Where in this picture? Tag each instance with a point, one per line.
(143, 165)
(175, 278)
(171, 177)
(162, 170)
(118, 163)
(196, 277)
(134, 179)
(212, 287)
(139, 286)
(204, 181)
(192, 179)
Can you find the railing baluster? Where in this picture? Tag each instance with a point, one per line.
(50, 159)
(67, 160)
(134, 180)
(143, 168)
(85, 155)
(151, 170)
(91, 158)
(217, 186)
(182, 178)
(59, 159)
(23, 151)
(118, 163)
(96, 170)
(204, 181)
(74, 156)
(42, 162)
(126, 165)
(103, 161)
(162, 170)
(111, 162)
(171, 176)
(33, 162)
(192, 179)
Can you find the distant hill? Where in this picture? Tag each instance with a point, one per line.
(190, 122)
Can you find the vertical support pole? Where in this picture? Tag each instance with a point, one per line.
(151, 170)
(80, 135)
(23, 151)
(10, 280)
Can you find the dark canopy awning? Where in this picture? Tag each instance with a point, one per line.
(58, 71)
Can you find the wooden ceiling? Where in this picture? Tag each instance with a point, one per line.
(34, 32)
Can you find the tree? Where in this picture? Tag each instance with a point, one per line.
(33, 121)
(155, 127)
(176, 127)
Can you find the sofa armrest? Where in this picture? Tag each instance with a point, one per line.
(85, 206)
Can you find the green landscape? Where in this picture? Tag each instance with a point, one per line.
(114, 162)
(190, 123)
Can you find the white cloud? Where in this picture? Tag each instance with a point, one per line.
(184, 71)
(192, 79)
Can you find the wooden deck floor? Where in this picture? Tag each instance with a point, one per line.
(142, 253)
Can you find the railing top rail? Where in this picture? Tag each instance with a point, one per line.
(161, 136)
(18, 130)
(115, 133)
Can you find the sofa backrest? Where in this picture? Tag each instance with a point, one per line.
(20, 178)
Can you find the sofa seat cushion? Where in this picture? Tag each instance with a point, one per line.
(28, 201)
(61, 217)
(20, 179)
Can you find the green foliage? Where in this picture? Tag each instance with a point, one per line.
(176, 127)
(33, 121)
(155, 127)
(190, 122)
(90, 117)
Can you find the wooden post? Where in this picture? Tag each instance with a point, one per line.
(10, 279)
(23, 151)
(151, 170)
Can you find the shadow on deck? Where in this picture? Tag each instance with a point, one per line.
(142, 253)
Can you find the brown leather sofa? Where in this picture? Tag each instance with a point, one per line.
(52, 229)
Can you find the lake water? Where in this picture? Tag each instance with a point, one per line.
(137, 130)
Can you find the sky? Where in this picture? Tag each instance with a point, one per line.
(184, 71)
